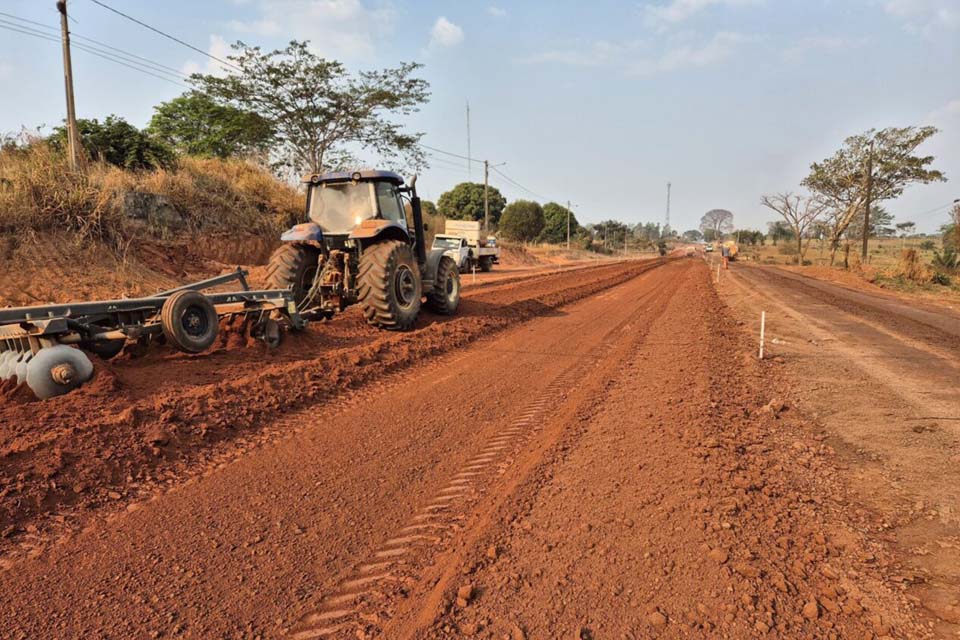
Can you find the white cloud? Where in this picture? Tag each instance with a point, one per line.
(925, 16)
(335, 28)
(691, 56)
(445, 33)
(597, 53)
(218, 48)
(496, 12)
(674, 11)
(6, 70)
(822, 43)
(631, 58)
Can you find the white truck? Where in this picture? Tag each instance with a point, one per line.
(462, 241)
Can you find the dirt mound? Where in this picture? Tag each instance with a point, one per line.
(517, 255)
(62, 268)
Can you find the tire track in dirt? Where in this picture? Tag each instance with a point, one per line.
(367, 598)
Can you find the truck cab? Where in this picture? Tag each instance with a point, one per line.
(454, 246)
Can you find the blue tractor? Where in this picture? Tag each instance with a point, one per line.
(364, 243)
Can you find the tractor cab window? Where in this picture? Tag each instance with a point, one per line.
(389, 203)
(339, 207)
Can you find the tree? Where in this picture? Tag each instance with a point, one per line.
(841, 180)
(779, 230)
(522, 220)
(717, 222)
(555, 224)
(317, 110)
(692, 235)
(195, 124)
(465, 202)
(117, 142)
(906, 228)
(428, 208)
(799, 212)
(749, 236)
(881, 223)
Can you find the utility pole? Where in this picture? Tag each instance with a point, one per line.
(866, 207)
(486, 198)
(666, 226)
(73, 142)
(568, 224)
(469, 161)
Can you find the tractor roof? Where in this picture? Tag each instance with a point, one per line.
(360, 176)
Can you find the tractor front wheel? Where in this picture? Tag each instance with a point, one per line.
(444, 298)
(390, 289)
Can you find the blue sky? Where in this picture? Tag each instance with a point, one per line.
(601, 102)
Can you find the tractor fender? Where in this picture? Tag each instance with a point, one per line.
(379, 229)
(304, 232)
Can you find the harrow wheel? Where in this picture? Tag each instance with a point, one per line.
(189, 320)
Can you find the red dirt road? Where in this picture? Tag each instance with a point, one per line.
(583, 455)
(881, 374)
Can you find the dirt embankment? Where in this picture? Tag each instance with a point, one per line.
(145, 421)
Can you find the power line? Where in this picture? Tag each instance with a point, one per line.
(130, 65)
(450, 153)
(517, 184)
(167, 35)
(136, 59)
(932, 211)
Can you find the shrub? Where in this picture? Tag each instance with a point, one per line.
(39, 193)
(117, 142)
(787, 249)
(928, 245)
(911, 268)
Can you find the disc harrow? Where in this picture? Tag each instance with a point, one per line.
(45, 347)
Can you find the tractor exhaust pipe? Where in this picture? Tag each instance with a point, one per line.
(421, 246)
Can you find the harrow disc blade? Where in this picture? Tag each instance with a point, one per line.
(7, 360)
(56, 370)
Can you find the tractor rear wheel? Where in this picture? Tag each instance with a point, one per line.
(389, 285)
(294, 267)
(444, 298)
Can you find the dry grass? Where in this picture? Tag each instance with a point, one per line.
(39, 195)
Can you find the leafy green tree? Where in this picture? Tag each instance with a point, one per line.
(117, 142)
(841, 180)
(779, 230)
(555, 224)
(692, 235)
(429, 209)
(465, 202)
(317, 110)
(522, 220)
(195, 124)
